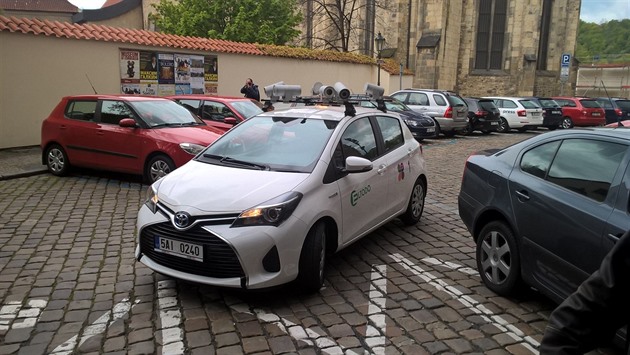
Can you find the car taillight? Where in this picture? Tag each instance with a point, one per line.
(521, 113)
(481, 113)
(618, 112)
(544, 113)
(449, 112)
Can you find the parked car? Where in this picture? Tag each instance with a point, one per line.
(217, 111)
(483, 115)
(421, 126)
(617, 109)
(552, 112)
(517, 113)
(447, 108)
(287, 188)
(545, 211)
(580, 111)
(147, 136)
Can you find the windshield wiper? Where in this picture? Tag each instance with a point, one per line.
(233, 161)
(174, 124)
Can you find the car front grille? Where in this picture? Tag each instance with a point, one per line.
(219, 261)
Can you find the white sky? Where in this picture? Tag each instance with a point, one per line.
(592, 10)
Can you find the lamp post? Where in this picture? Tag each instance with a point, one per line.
(380, 41)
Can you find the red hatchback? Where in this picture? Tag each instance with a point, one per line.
(219, 111)
(146, 136)
(580, 111)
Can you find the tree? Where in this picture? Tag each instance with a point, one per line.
(610, 41)
(254, 21)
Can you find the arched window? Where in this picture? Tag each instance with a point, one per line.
(490, 34)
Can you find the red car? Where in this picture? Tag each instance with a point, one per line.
(221, 112)
(580, 111)
(146, 136)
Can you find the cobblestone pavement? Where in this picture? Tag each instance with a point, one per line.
(69, 282)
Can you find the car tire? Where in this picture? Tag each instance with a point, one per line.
(313, 259)
(552, 128)
(466, 130)
(158, 167)
(485, 131)
(57, 160)
(504, 127)
(566, 123)
(415, 207)
(438, 130)
(498, 259)
(522, 129)
(449, 134)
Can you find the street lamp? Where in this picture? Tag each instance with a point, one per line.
(380, 41)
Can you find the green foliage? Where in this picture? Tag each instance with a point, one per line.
(253, 21)
(609, 40)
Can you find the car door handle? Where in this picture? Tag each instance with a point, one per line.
(614, 237)
(100, 133)
(522, 195)
(381, 169)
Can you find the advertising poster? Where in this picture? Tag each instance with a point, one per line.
(166, 90)
(182, 69)
(197, 78)
(182, 89)
(130, 89)
(211, 88)
(149, 88)
(149, 67)
(130, 66)
(211, 68)
(166, 70)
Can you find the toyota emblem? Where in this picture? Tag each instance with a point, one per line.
(181, 220)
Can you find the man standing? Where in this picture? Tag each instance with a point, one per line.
(250, 90)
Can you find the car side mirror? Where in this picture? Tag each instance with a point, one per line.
(127, 122)
(357, 165)
(230, 120)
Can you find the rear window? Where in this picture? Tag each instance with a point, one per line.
(590, 104)
(623, 104)
(488, 105)
(472, 104)
(81, 110)
(548, 103)
(528, 104)
(605, 103)
(455, 100)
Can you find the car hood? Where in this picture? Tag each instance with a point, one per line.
(220, 189)
(424, 119)
(203, 135)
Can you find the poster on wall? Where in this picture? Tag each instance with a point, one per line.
(182, 89)
(149, 88)
(130, 89)
(182, 69)
(130, 66)
(166, 89)
(211, 88)
(211, 68)
(197, 78)
(149, 65)
(166, 71)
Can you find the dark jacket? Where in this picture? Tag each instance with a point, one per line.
(591, 316)
(251, 92)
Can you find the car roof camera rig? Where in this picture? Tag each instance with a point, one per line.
(282, 92)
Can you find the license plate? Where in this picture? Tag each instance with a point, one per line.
(181, 249)
(494, 123)
(596, 114)
(536, 113)
(430, 130)
(556, 112)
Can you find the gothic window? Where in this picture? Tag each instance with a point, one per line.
(490, 34)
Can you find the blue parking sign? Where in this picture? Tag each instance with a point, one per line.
(566, 59)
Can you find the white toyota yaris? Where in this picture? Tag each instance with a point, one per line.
(269, 200)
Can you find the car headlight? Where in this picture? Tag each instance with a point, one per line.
(411, 123)
(191, 148)
(271, 213)
(152, 199)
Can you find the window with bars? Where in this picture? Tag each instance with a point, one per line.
(490, 34)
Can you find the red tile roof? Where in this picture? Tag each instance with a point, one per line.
(39, 5)
(123, 35)
(110, 3)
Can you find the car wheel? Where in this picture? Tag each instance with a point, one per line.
(552, 128)
(158, 167)
(57, 160)
(498, 260)
(566, 123)
(449, 134)
(485, 131)
(313, 259)
(466, 130)
(522, 129)
(416, 204)
(503, 126)
(437, 129)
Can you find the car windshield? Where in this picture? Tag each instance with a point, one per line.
(396, 106)
(247, 109)
(623, 104)
(528, 104)
(158, 113)
(548, 103)
(272, 143)
(590, 104)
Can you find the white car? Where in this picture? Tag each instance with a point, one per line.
(518, 113)
(269, 200)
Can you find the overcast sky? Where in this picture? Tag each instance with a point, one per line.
(592, 10)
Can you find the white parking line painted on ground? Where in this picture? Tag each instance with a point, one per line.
(375, 337)
(470, 303)
(14, 316)
(99, 326)
(452, 266)
(170, 318)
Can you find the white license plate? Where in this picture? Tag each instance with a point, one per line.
(536, 113)
(596, 114)
(494, 123)
(556, 112)
(430, 130)
(177, 248)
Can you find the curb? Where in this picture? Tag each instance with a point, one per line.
(22, 174)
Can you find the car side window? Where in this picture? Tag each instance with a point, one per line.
(81, 110)
(537, 161)
(401, 96)
(391, 131)
(215, 111)
(358, 140)
(509, 104)
(191, 105)
(418, 98)
(439, 100)
(587, 166)
(114, 111)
